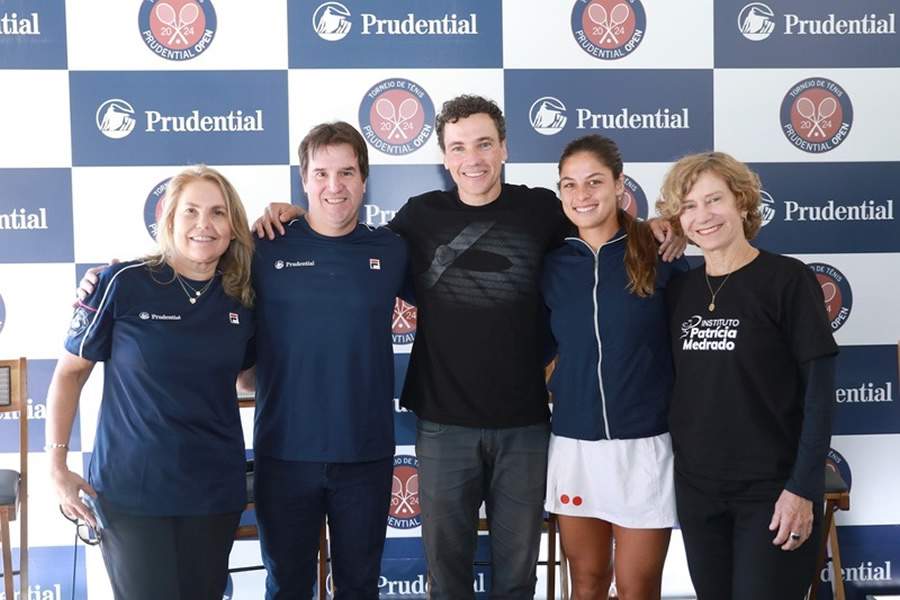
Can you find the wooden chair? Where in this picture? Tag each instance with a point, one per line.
(14, 484)
(251, 532)
(837, 497)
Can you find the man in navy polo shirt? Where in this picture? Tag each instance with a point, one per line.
(324, 438)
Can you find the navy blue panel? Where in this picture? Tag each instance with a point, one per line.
(33, 34)
(39, 375)
(173, 118)
(869, 556)
(827, 208)
(654, 116)
(866, 391)
(36, 216)
(806, 33)
(53, 570)
(395, 33)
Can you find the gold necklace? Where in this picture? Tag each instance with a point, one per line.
(712, 294)
(712, 300)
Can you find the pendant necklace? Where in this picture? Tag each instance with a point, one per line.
(712, 299)
(713, 294)
(193, 294)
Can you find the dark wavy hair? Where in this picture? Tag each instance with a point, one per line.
(465, 106)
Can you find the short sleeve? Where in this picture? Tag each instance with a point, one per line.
(400, 224)
(559, 225)
(90, 331)
(805, 319)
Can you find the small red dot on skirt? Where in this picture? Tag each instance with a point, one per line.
(564, 499)
(576, 500)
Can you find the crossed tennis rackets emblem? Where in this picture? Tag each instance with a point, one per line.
(396, 120)
(405, 498)
(608, 25)
(180, 24)
(817, 114)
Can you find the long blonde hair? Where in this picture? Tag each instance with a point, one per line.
(235, 263)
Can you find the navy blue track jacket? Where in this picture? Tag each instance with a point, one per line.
(614, 375)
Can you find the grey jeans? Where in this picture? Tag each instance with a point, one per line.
(459, 467)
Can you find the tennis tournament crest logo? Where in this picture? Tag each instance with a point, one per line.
(609, 29)
(756, 21)
(115, 118)
(634, 200)
(547, 115)
(403, 323)
(405, 512)
(177, 29)
(838, 464)
(837, 293)
(816, 115)
(396, 116)
(153, 206)
(766, 207)
(331, 21)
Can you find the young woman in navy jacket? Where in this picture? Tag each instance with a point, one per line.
(610, 465)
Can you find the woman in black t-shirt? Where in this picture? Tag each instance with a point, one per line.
(750, 416)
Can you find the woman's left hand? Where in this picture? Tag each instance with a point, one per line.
(671, 245)
(793, 514)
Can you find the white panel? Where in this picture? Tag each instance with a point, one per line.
(875, 488)
(874, 318)
(38, 299)
(317, 95)
(105, 36)
(108, 204)
(748, 105)
(36, 130)
(538, 35)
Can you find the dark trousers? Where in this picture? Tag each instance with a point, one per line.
(459, 467)
(292, 500)
(729, 546)
(177, 558)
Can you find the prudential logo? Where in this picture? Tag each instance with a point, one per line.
(331, 21)
(548, 115)
(115, 118)
(756, 21)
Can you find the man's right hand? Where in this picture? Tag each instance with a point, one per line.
(89, 282)
(274, 217)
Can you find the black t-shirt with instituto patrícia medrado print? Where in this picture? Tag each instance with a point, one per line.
(738, 403)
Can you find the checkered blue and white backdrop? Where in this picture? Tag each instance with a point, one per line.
(101, 102)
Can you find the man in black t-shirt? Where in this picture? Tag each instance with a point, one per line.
(475, 378)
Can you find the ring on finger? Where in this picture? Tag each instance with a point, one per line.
(795, 536)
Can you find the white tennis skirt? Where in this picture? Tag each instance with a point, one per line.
(629, 483)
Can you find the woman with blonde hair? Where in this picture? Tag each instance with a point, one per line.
(610, 461)
(754, 373)
(166, 482)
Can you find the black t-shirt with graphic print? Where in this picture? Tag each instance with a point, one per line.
(738, 403)
(481, 332)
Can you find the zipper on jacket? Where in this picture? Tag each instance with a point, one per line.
(596, 256)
